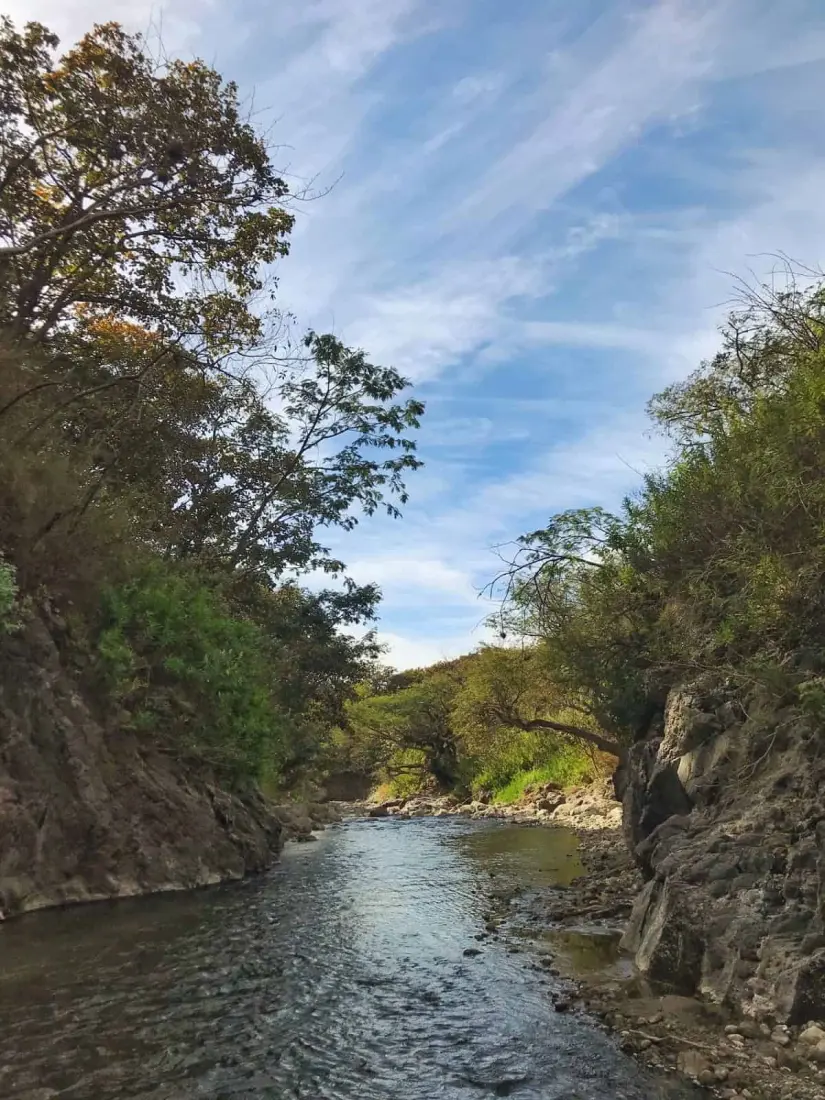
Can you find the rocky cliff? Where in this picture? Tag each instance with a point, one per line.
(724, 809)
(90, 811)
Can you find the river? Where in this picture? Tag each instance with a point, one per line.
(341, 974)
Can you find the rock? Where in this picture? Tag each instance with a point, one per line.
(652, 793)
(749, 1028)
(724, 818)
(812, 1035)
(664, 934)
(805, 990)
(90, 812)
(379, 811)
(471, 952)
(692, 1063)
(561, 1006)
(295, 821)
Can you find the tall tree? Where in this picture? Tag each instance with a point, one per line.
(129, 187)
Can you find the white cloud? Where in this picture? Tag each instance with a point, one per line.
(349, 266)
(648, 72)
(471, 88)
(598, 467)
(415, 579)
(592, 335)
(177, 25)
(405, 651)
(423, 328)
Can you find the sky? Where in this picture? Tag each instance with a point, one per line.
(537, 211)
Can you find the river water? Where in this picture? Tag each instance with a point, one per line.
(341, 974)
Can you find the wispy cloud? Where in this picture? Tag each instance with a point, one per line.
(535, 214)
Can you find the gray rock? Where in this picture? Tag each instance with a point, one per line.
(664, 934)
(692, 1063)
(724, 817)
(90, 812)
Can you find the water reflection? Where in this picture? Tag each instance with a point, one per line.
(582, 952)
(341, 976)
(533, 856)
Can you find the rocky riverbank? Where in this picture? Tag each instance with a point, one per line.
(300, 821)
(733, 1056)
(90, 810)
(591, 808)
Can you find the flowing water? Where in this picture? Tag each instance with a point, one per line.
(341, 975)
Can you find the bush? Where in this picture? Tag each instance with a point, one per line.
(191, 673)
(8, 598)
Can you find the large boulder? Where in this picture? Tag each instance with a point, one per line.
(665, 936)
(651, 793)
(724, 815)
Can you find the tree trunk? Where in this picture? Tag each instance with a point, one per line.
(601, 743)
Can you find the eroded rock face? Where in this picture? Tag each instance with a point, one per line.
(90, 812)
(726, 817)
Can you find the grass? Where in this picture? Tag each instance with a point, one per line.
(568, 768)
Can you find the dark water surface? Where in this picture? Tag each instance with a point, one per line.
(339, 975)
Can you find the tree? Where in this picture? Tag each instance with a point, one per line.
(130, 188)
(577, 587)
(407, 730)
(137, 208)
(512, 688)
(274, 478)
(169, 455)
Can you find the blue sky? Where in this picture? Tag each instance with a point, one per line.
(538, 209)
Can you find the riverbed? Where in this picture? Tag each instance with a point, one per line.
(341, 974)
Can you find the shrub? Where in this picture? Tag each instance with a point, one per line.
(8, 598)
(191, 673)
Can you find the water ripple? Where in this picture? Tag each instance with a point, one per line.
(340, 976)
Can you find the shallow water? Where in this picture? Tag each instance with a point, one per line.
(339, 975)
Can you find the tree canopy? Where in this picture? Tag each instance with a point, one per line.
(714, 566)
(171, 453)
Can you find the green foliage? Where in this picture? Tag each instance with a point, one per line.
(168, 448)
(525, 753)
(8, 598)
(716, 565)
(406, 732)
(456, 724)
(568, 766)
(183, 665)
(406, 773)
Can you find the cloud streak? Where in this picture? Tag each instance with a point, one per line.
(536, 215)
